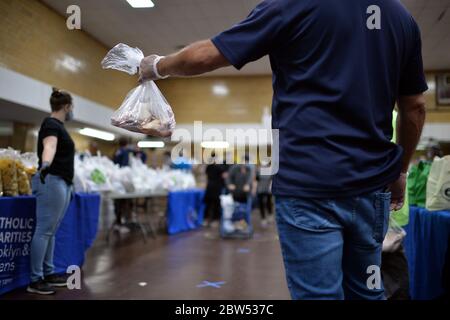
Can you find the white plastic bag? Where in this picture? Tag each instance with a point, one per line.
(438, 185)
(394, 236)
(227, 203)
(144, 109)
(123, 58)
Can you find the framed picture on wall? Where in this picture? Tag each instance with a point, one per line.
(443, 89)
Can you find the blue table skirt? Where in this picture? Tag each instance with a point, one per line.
(426, 248)
(75, 235)
(185, 210)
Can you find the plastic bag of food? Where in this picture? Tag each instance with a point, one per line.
(98, 177)
(438, 185)
(394, 236)
(1, 185)
(144, 109)
(23, 181)
(8, 171)
(26, 168)
(30, 161)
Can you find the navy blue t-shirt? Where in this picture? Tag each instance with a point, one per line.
(122, 157)
(335, 83)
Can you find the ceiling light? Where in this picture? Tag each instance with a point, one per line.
(141, 3)
(151, 144)
(431, 85)
(215, 144)
(103, 135)
(220, 90)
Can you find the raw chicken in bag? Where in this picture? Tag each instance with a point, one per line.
(144, 109)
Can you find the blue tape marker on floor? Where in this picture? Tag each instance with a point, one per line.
(205, 284)
(243, 250)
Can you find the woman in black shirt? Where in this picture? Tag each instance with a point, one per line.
(52, 186)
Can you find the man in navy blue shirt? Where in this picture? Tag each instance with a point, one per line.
(339, 67)
(122, 155)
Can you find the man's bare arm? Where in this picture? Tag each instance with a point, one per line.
(195, 59)
(410, 121)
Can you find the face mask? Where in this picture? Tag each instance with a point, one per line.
(69, 115)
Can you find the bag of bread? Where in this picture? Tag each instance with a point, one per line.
(144, 109)
(8, 171)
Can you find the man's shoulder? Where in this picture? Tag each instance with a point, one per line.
(51, 123)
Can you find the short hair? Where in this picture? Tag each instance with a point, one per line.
(123, 142)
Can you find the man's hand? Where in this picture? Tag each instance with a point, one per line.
(397, 189)
(148, 69)
(246, 188)
(44, 171)
(231, 187)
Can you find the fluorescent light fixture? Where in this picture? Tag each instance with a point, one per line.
(215, 144)
(151, 144)
(431, 85)
(220, 90)
(103, 135)
(141, 3)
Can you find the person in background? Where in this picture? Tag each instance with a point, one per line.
(264, 194)
(252, 167)
(93, 148)
(239, 183)
(122, 155)
(52, 186)
(167, 160)
(122, 206)
(433, 149)
(138, 153)
(394, 265)
(215, 173)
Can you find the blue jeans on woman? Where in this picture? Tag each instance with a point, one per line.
(332, 247)
(52, 201)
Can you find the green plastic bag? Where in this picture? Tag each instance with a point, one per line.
(417, 183)
(98, 177)
(399, 217)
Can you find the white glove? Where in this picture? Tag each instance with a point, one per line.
(148, 69)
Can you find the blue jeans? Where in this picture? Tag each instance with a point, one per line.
(331, 247)
(52, 201)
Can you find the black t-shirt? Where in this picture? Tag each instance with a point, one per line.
(63, 163)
